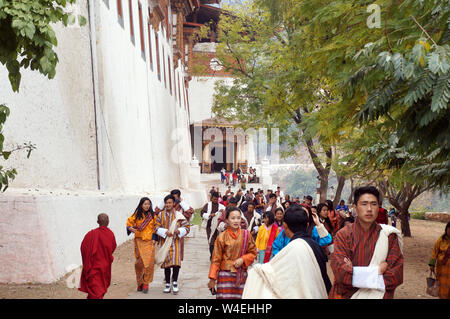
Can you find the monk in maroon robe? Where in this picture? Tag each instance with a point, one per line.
(96, 250)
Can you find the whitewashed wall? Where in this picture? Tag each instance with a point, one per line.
(201, 95)
(57, 116)
(41, 234)
(55, 199)
(140, 113)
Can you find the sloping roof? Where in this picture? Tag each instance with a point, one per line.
(216, 122)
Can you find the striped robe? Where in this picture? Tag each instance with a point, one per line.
(358, 246)
(164, 220)
(228, 248)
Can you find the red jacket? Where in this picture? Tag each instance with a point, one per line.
(382, 216)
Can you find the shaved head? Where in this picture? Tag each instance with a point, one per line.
(103, 219)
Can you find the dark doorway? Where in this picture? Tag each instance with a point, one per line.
(218, 157)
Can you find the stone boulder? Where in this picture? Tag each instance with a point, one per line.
(438, 216)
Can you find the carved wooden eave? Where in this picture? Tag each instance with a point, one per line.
(177, 53)
(177, 56)
(157, 15)
(185, 6)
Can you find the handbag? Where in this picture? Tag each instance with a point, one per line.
(433, 285)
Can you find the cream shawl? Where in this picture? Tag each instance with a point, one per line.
(162, 251)
(379, 255)
(292, 274)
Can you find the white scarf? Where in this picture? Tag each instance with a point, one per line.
(379, 255)
(214, 221)
(278, 279)
(162, 251)
(256, 216)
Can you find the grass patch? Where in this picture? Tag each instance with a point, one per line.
(197, 219)
(418, 215)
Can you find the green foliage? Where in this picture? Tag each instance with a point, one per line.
(197, 219)
(27, 38)
(378, 98)
(418, 215)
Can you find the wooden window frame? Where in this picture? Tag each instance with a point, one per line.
(120, 13)
(158, 59)
(141, 30)
(130, 9)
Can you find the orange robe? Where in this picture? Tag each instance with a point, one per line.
(227, 248)
(144, 250)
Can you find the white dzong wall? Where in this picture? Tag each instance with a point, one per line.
(105, 100)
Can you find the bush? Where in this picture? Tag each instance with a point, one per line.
(197, 219)
(418, 215)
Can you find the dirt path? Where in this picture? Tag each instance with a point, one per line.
(417, 250)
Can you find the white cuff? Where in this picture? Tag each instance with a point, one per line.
(162, 232)
(322, 231)
(206, 216)
(368, 277)
(256, 228)
(183, 232)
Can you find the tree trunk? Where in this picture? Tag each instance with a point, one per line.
(352, 189)
(340, 187)
(323, 188)
(406, 230)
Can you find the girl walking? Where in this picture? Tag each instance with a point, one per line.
(142, 224)
(234, 251)
(267, 234)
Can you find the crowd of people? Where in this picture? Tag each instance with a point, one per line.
(265, 245)
(233, 178)
(265, 233)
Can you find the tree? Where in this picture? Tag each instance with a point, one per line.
(397, 94)
(27, 40)
(375, 99)
(394, 81)
(401, 197)
(396, 75)
(272, 84)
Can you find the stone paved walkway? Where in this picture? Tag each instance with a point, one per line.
(194, 271)
(193, 277)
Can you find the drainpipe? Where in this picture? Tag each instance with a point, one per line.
(93, 37)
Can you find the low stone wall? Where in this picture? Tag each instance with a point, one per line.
(41, 234)
(438, 216)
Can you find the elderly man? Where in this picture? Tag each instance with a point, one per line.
(97, 250)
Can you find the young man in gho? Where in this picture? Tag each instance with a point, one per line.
(367, 261)
(171, 226)
(183, 207)
(272, 205)
(180, 205)
(253, 219)
(223, 220)
(211, 213)
(259, 203)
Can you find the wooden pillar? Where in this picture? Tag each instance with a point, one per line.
(190, 55)
(206, 161)
(180, 31)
